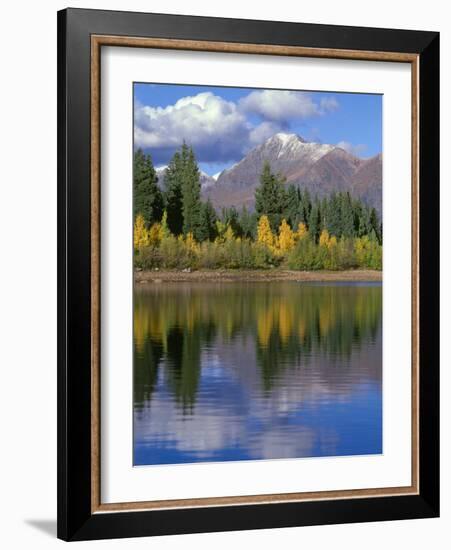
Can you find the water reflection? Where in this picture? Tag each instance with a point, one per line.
(240, 371)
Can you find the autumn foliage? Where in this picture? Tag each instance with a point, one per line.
(174, 229)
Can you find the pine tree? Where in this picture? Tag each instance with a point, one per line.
(173, 195)
(207, 227)
(191, 205)
(292, 205)
(248, 223)
(347, 216)
(314, 223)
(147, 197)
(364, 221)
(270, 197)
(305, 207)
(334, 215)
(230, 217)
(374, 225)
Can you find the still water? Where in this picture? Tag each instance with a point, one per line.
(246, 371)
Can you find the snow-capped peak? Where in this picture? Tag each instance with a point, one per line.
(285, 139)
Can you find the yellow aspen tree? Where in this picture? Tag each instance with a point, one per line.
(286, 237)
(220, 228)
(332, 242)
(154, 234)
(264, 233)
(140, 233)
(361, 248)
(190, 242)
(164, 228)
(228, 235)
(302, 231)
(324, 238)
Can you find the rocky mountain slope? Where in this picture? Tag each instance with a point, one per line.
(320, 168)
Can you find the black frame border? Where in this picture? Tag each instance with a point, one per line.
(75, 520)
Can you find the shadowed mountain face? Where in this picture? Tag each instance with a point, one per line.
(318, 167)
(367, 182)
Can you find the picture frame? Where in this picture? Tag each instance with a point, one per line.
(81, 36)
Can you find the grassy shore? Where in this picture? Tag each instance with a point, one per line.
(230, 275)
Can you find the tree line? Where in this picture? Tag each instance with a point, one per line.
(288, 226)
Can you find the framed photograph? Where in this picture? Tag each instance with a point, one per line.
(248, 274)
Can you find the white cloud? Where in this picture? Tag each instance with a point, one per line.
(328, 105)
(205, 121)
(283, 106)
(352, 149)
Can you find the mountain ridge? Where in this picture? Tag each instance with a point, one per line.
(320, 168)
(317, 167)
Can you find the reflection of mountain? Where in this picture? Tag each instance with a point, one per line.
(236, 371)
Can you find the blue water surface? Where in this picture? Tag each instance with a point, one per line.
(252, 371)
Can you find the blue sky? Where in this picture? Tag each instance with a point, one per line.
(223, 124)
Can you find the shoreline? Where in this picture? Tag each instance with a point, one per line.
(255, 275)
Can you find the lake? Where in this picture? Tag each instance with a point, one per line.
(258, 370)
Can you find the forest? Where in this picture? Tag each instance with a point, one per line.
(174, 228)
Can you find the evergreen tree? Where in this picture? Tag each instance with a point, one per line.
(191, 204)
(357, 212)
(305, 207)
(314, 224)
(334, 215)
(374, 225)
(207, 227)
(325, 210)
(173, 195)
(230, 217)
(147, 197)
(364, 221)
(347, 216)
(248, 223)
(270, 197)
(292, 206)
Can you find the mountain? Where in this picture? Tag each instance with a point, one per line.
(206, 181)
(318, 167)
(367, 182)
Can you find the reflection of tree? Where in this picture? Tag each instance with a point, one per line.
(145, 369)
(183, 364)
(331, 319)
(288, 323)
(271, 358)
